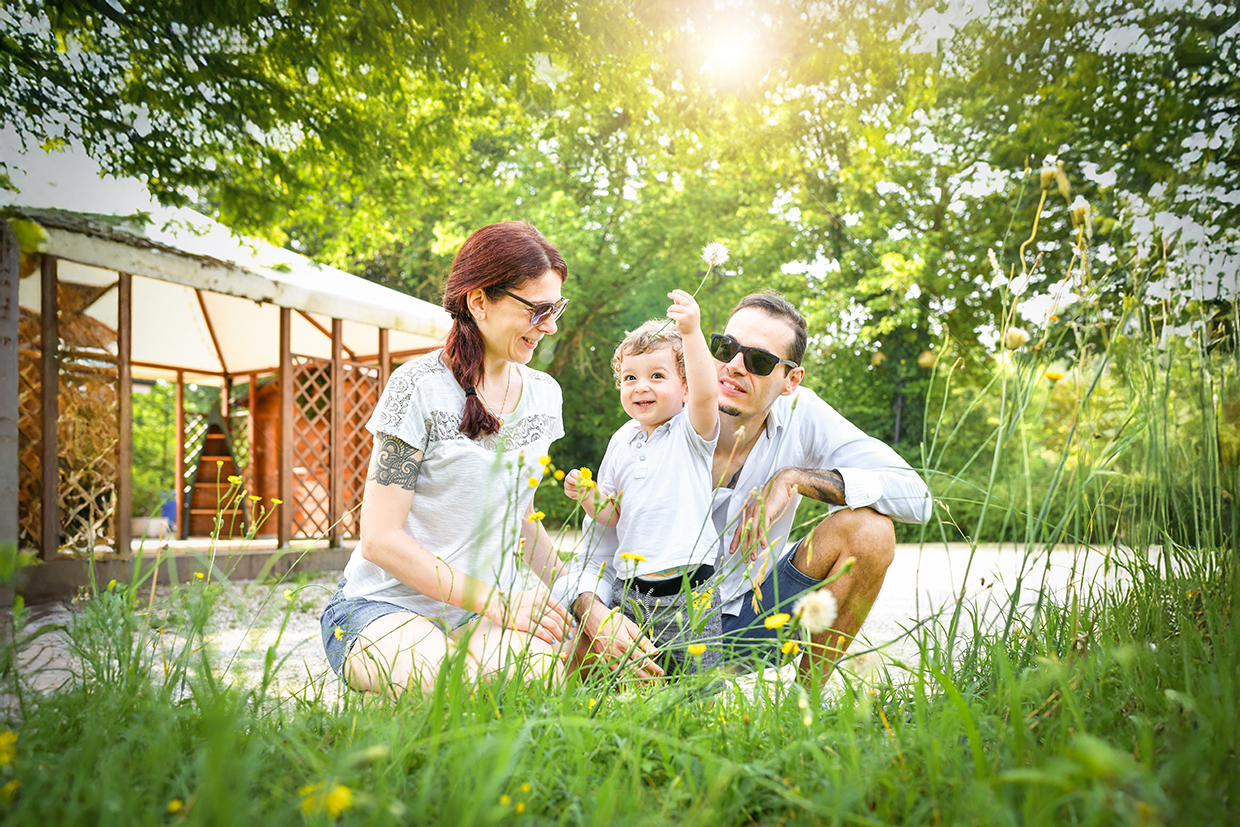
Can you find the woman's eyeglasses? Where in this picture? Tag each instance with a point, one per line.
(757, 361)
(541, 311)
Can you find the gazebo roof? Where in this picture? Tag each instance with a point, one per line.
(207, 301)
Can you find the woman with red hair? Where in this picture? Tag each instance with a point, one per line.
(449, 501)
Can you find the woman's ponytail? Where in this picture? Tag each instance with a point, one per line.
(463, 352)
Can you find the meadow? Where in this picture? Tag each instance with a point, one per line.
(1114, 702)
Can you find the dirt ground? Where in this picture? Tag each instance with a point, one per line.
(922, 587)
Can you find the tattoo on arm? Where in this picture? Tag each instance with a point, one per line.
(823, 486)
(394, 462)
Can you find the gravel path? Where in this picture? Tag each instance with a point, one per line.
(921, 585)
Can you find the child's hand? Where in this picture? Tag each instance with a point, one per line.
(685, 312)
(571, 489)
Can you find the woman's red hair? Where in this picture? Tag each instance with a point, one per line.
(497, 257)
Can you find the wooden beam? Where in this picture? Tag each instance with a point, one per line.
(49, 391)
(400, 354)
(178, 481)
(284, 442)
(325, 331)
(10, 411)
(219, 352)
(385, 359)
(124, 406)
(178, 368)
(335, 467)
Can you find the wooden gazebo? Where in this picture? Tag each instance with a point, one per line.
(90, 303)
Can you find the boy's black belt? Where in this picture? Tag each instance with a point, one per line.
(671, 585)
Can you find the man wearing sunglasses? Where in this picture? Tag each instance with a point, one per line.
(779, 442)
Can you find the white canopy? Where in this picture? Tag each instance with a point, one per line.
(207, 300)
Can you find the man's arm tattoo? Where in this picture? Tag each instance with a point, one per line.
(823, 486)
(394, 462)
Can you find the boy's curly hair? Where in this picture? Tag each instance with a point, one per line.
(652, 335)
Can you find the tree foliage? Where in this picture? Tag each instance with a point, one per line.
(865, 157)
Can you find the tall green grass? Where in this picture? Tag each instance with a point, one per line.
(1114, 703)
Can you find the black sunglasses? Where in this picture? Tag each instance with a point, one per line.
(541, 311)
(757, 361)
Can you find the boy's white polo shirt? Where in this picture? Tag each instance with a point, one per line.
(666, 500)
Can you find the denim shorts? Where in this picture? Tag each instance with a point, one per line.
(745, 635)
(350, 615)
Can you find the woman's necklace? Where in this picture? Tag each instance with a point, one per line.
(503, 403)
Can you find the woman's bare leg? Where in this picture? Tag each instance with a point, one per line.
(493, 648)
(397, 652)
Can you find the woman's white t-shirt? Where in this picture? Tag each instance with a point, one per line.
(471, 495)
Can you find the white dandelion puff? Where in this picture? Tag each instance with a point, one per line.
(715, 253)
(1015, 338)
(817, 610)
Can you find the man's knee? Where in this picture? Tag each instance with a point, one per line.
(860, 533)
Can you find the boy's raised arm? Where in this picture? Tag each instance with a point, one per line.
(702, 404)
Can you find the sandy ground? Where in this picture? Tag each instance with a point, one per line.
(922, 584)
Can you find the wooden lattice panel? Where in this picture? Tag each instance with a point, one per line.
(195, 433)
(29, 436)
(311, 446)
(87, 424)
(361, 395)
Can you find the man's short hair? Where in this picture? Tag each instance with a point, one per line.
(652, 335)
(776, 305)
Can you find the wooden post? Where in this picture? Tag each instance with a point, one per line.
(178, 480)
(385, 359)
(251, 428)
(285, 440)
(49, 389)
(124, 404)
(335, 444)
(10, 411)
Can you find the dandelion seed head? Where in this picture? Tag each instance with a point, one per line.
(715, 253)
(817, 610)
(1015, 338)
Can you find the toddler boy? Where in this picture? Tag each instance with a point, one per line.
(654, 486)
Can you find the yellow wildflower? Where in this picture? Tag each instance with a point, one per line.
(9, 791)
(255, 497)
(333, 801)
(525, 788)
(274, 501)
(175, 805)
(112, 584)
(1054, 375)
(544, 460)
(559, 475)
(503, 799)
(8, 747)
(588, 484)
(586, 476)
(629, 555)
(288, 594)
(702, 601)
(790, 647)
(339, 633)
(219, 463)
(536, 516)
(533, 482)
(199, 575)
(234, 479)
(520, 807)
(775, 621)
(697, 648)
(590, 703)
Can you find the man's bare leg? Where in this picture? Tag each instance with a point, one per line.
(870, 539)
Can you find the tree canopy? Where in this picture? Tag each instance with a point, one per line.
(879, 161)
